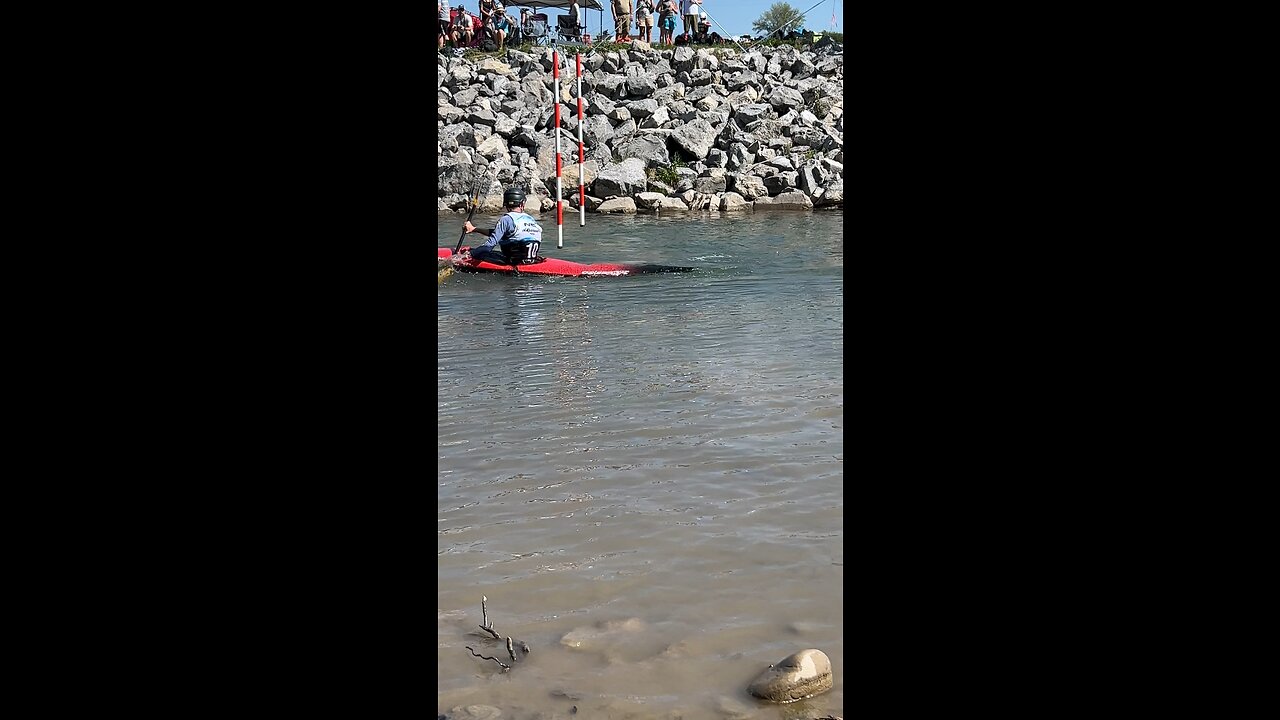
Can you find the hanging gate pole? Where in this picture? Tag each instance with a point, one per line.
(582, 158)
(555, 70)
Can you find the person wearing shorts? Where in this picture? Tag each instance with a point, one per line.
(667, 11)
(444, 21)
(501, 25)
(644, 20)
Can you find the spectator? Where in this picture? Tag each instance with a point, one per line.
(704, 28)
(575, 12)
(622, 19)
(667, 11)
(644, 20)
(464, 30)
(487, 13)
(514, 31)
(440, 27)
(444, 21)
(691, 18)
(501, 25)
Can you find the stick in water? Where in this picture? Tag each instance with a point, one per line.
(486, 657)
(484, 615)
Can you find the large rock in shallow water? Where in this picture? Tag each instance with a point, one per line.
(796, 677)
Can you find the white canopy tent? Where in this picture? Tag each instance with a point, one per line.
(560, 5)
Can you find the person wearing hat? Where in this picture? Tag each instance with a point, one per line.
(704, 28)
(501, 24)
(463, 28)
(517, 235)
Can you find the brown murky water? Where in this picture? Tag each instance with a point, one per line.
(644, 474)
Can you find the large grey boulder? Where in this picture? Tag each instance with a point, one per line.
(649, 147)
(622, 205)
(622, 179)
(696, 138)
(831, 196)
(795, 200)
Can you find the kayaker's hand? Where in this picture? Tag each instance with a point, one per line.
(461, 257)
(468, 227)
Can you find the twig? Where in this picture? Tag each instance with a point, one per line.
(510, 650)
(486, 657)
(484, 615)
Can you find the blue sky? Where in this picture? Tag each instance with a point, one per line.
(737, 15)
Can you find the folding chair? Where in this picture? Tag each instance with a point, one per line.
(567, 28)
(536, 30)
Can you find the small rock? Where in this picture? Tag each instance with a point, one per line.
(796, 677)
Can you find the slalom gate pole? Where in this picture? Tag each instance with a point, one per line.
(582, 158)
(555, 71)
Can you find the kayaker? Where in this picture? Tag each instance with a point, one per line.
(517, 234)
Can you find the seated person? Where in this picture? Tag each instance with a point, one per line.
(464, 30)
(501, 25)
(517, 235)
(704, 28)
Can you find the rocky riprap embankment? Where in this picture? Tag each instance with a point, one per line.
(665, 130)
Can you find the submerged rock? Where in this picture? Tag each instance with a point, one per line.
(475, 712)
(796, 677)
(601, 634)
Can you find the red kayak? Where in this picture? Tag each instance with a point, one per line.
(563, 268)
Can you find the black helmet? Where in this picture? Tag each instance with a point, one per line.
(513, 196)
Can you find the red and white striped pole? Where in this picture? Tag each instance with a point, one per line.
(582, 158)
(555, 74)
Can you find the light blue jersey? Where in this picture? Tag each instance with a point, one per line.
(514, 227)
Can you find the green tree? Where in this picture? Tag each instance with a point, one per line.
(779, 16)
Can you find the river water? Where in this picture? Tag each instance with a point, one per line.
(644, 474)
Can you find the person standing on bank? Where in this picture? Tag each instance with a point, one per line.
(691, 18)
(622, 19)
(576, 13)
(487, 8)
(667, 11)
(644, 20)
(517, 233)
